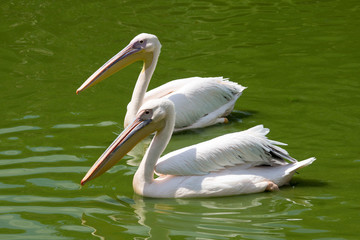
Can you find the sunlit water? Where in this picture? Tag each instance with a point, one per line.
(299, 59)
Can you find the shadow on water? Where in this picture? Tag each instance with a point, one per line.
(237, 115)
(303, 182)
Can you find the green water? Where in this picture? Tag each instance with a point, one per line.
(299, 59)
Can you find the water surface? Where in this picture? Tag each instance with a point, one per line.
(299, 59)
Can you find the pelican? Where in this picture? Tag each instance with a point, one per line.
(237, 163)
(199, 102)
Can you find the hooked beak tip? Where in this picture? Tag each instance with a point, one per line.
(78, 91)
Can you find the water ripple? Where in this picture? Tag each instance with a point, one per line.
(71, 125)
(74, 211)
(40, 199)
(41, 159)
(27, 117)
(18, 129)
(30, 171)
(54, 184)
(8, 186)
(10, 153)
(25, 228)
(209, 219)
(44, 149)
(251, 217)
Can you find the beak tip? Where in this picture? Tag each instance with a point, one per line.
(83, 182)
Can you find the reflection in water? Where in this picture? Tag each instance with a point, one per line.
(260, 216)
(93, 230)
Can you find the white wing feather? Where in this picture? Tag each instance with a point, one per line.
(195, 98)
(250, 147)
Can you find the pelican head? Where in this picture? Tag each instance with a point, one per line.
(142, 48)
(152, 117)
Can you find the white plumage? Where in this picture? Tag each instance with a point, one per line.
(250, 147)
(199, 102)
(237, 163)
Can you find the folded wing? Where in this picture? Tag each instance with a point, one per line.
(198, 100)
(250, 148)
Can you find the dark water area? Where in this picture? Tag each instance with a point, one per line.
(299, 59)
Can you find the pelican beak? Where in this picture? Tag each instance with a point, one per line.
(133, 134)
(122, 59)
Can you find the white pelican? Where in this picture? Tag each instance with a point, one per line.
(237, 163)
(199, 102)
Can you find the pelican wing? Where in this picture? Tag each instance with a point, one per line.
(196, 99)
(250, 148)
(166, 89)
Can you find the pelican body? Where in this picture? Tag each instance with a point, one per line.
(199, 102)
(237, 163)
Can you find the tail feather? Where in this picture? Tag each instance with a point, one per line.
(278, 154)
(300, 164)
(236, 88)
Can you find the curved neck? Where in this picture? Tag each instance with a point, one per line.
(141, 85)
(145, 173)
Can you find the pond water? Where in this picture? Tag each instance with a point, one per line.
(299, 59)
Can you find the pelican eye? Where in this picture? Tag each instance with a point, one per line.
(140, 44)
(146, 114)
